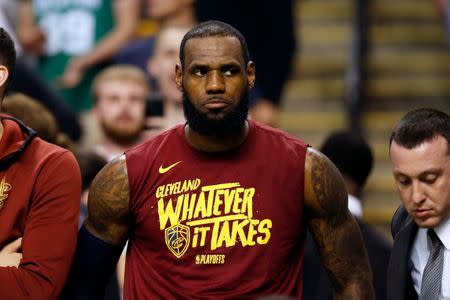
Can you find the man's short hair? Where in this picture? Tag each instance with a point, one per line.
(123, 72)
(351, 154)
(211, 29)
(420, 126)
(7, 53)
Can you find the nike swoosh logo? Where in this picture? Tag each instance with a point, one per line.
(163, 170)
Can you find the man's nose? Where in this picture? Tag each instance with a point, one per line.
(215, 83)
(417, 192)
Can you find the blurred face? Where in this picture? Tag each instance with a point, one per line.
(120, 109)
(422, 177)
(161, 9)
(162, 64)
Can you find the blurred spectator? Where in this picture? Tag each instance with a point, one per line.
(268, 27)
(168, 12)
(27, 81)
(444, 8)
(161, 66)
(120, 94)
(36, 116)
(353, 157)
(74, 40)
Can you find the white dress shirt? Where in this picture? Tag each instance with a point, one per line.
(419, 256)
(355, 206)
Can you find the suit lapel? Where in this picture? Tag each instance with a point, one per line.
(399, 277)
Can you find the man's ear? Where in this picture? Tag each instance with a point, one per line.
(4, 74)
(251, 74)
(179, 76)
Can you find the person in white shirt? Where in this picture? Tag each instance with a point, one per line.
(419, 266)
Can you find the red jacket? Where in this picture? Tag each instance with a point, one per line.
(40, 192)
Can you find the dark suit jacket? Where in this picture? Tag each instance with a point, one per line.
(317, 286)
(399, 281)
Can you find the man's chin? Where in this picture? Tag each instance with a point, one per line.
(430, 222)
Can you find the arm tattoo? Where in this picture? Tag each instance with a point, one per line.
(108, 217)
(328, 187)
(334, 230)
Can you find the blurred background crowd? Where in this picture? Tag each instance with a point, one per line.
(100, 73)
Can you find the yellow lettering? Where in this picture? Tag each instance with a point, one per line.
(224, 236)
(240, 232)
(228, 200)
(200, 209)
(195, 237)
(188, 206)
(168, 213)
(247, 204)
(217, 203)
(237, 200)
(252, 232)
(160, 191)
(215, 232)
(264, 227)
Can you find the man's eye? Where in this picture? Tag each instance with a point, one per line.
(430, 179)
(403, 182)
(230, 71)
(200, 72)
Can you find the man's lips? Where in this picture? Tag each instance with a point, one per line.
(216, 103)
(422, 213)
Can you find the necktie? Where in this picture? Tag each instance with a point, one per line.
(432, 275)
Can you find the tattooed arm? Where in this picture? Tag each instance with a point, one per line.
(103, 235)
(108, 217)
(334, 230)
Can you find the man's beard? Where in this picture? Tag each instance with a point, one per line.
(122, 136)
(230, 125)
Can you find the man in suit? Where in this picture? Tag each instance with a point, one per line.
(420, 154)
(353, 157)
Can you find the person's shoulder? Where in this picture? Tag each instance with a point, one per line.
(400, 219)
(42, 150)
(276, 134)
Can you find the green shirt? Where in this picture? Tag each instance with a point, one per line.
(72, 28)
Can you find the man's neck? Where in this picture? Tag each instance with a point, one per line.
(215, 144)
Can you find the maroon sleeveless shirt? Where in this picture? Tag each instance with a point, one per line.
(222, 225)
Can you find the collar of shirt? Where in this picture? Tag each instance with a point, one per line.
(355, 206)
(443, 232)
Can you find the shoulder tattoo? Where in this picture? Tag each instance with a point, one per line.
(108, 201)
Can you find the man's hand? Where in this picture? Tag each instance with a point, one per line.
(73, 73)
(10, 255)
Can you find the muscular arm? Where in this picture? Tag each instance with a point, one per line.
(103, 235)
(108, 217)
(334, 230)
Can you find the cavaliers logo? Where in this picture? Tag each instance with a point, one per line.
(177, 239)
(4, 189)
